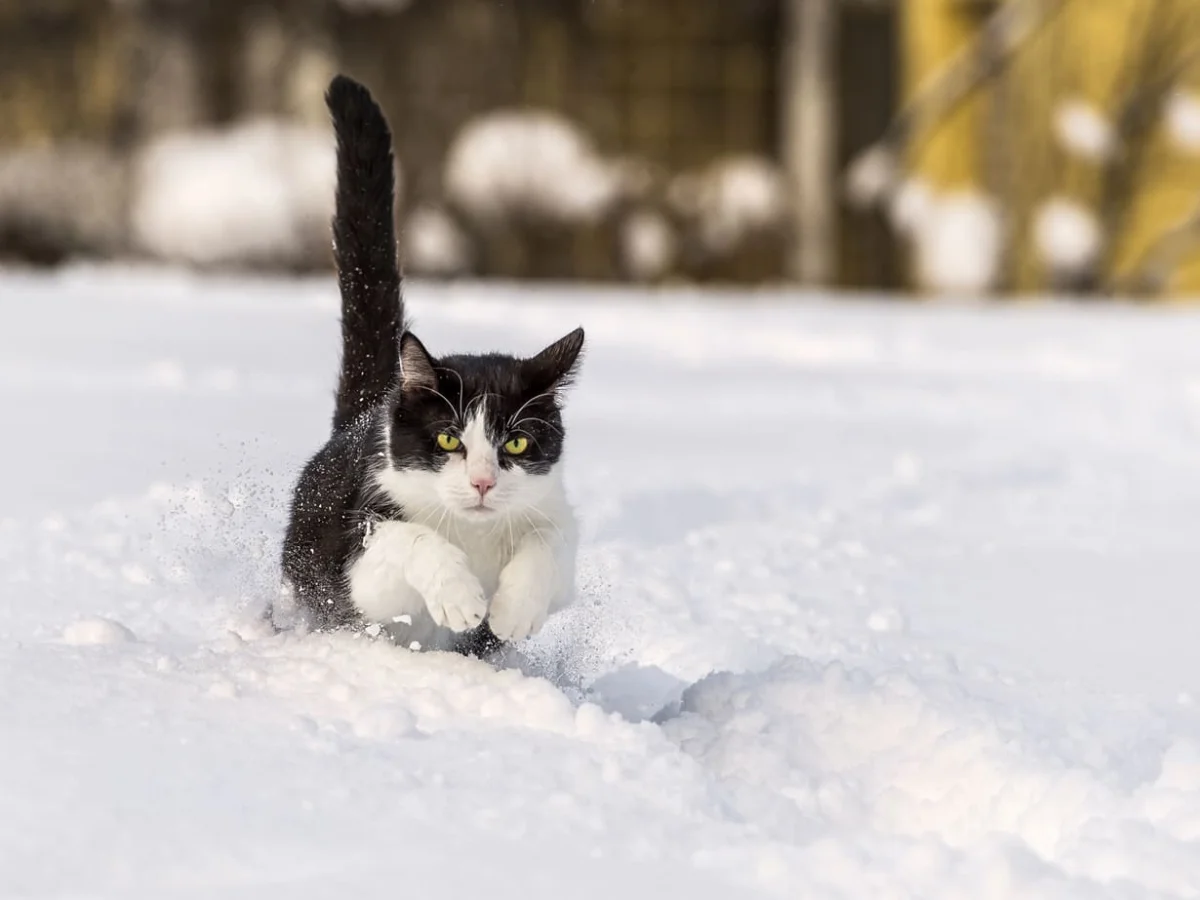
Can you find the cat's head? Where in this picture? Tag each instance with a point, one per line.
(477, 437)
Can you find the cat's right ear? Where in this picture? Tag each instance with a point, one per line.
(554, 368)
(416, 365)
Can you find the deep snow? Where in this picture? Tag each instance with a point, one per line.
(909, 592)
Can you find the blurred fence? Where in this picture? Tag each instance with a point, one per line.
(611, 139)
(946, 145)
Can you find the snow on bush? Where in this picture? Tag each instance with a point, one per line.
(1084, 131)
(1183, 120)
(257, 194)
(434, 244)
(730, 201)
(910, 206)
(649, 245)
(871, 176)
(959, 244)
(1067, 236)
(63, 200)
(513, 164)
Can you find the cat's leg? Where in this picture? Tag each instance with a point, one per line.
(538, 579)
(408, 570)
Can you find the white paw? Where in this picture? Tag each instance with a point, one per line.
(455, 598)
(521, 604)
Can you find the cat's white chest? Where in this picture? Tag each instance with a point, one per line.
(489, 548)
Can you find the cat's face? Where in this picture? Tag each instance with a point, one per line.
(477, 437)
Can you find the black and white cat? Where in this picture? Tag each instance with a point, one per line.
(436, 509)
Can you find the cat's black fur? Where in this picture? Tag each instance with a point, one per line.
(337, 497)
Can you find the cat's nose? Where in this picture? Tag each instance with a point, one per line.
(483, 483)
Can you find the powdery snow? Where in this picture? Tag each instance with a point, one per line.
(96, 631)
(876, 600)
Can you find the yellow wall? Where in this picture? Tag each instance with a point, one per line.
(1097, 52)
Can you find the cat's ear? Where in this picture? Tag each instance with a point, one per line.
(416, 365)
(554, 368)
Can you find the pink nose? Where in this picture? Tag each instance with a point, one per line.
(483, 483)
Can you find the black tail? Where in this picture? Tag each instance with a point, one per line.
(364, 247)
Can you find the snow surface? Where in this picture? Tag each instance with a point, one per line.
(877, 600)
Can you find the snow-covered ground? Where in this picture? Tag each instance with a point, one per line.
(876, 601)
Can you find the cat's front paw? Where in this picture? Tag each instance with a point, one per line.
(522, 601)
(456, 600)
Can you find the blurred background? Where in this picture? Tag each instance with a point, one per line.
(944, 147)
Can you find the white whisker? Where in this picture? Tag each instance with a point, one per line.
(461, 391)
(537, 532)
(444, 398)
(549, 425)
(550, 521)
(517, 414)
(478, 398)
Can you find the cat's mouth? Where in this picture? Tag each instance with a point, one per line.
(479, 509)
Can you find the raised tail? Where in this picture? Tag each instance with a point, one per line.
(364, 248)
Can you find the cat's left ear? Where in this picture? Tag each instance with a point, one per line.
(555, 367)
(416, 365)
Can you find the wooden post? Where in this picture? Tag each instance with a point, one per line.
(810, 136)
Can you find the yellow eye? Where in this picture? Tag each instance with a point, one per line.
(517, 446)
(448, 442)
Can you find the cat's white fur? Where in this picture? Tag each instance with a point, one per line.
(452, 563)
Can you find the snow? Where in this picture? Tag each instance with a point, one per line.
(958, 240)
(434, 244)
(1183, 119)
(257, 193)
(730, 200)
(649, 245)
(876, 600)
(911, 206)
(96, 631)
(871, 176)
(1084, 131)
(515, 163)
(1067, 235)
(69, 199)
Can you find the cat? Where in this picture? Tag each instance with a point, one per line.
(436, 510)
